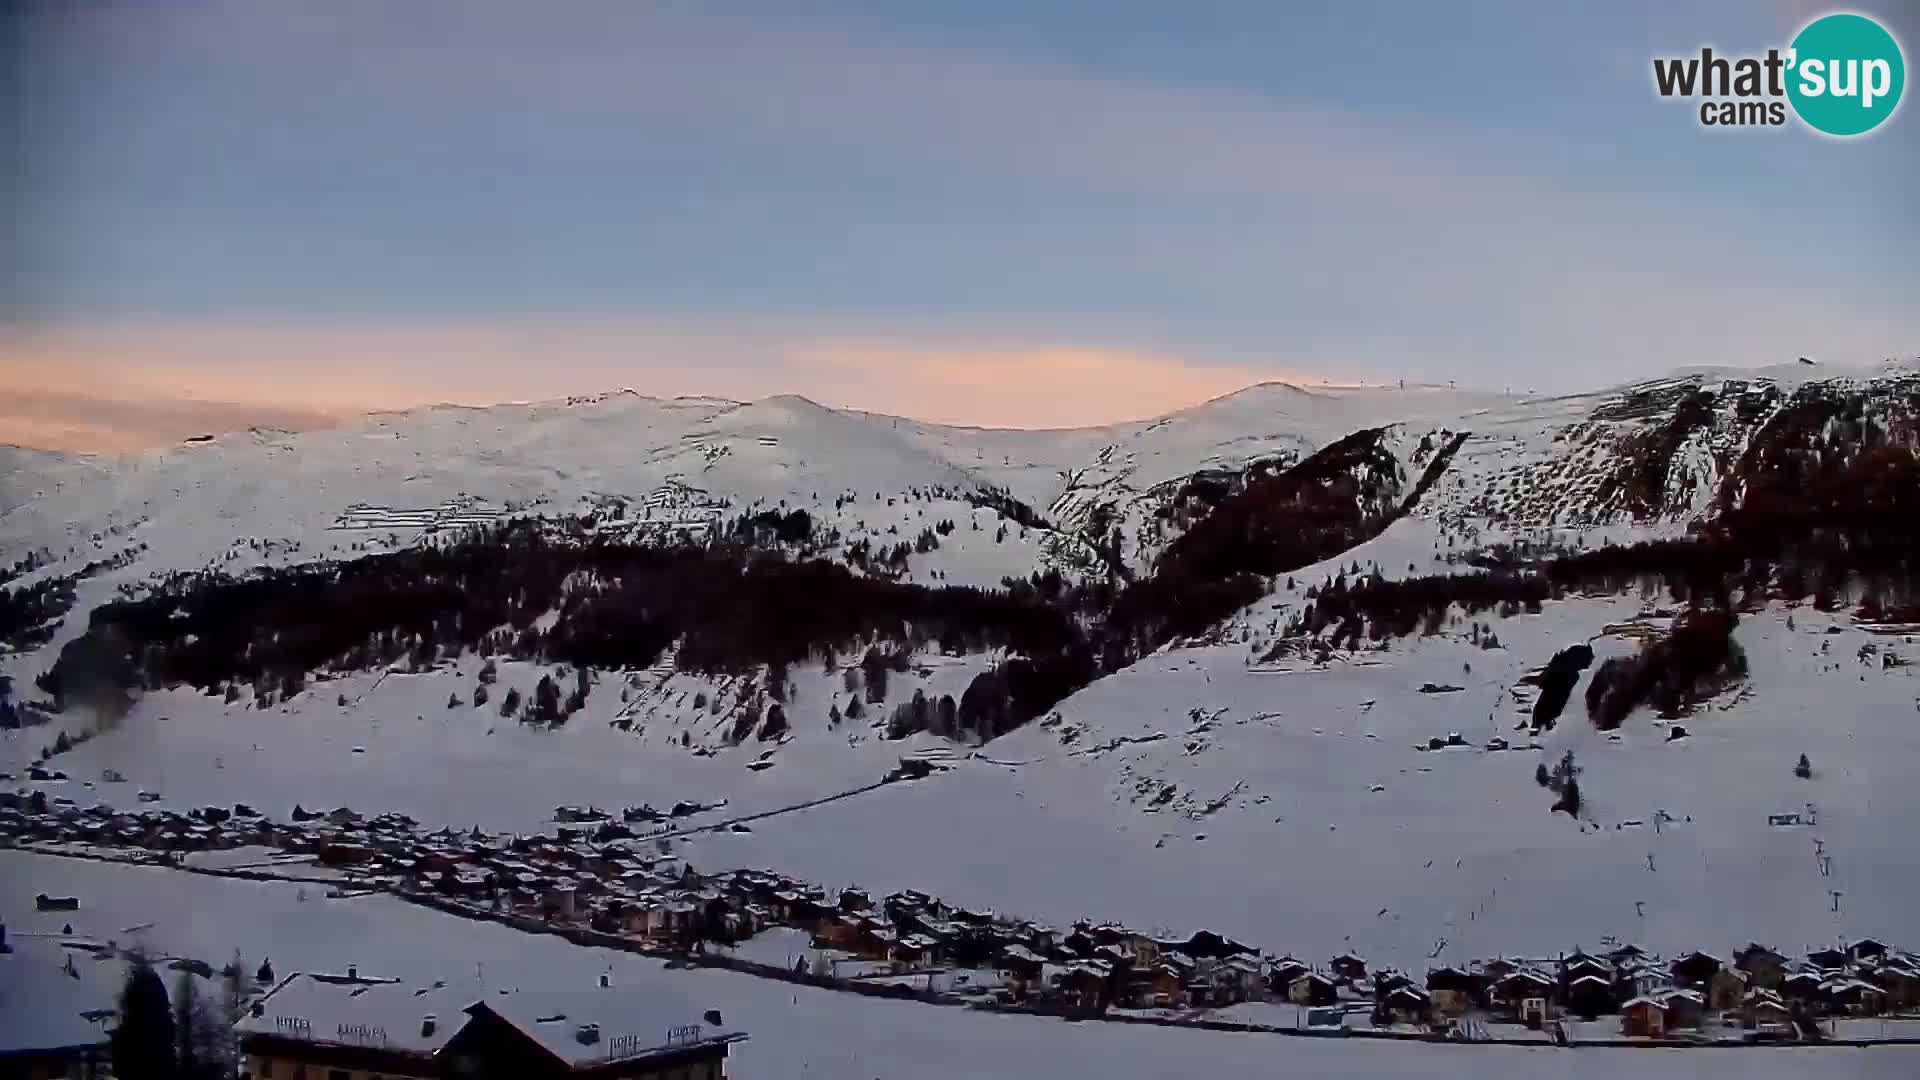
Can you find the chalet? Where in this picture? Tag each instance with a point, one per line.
(1727, 989)
(1644, 1018)
(972, 916)
(1520, 986)
(1580, 964)
(1497, 969)
(1454, 991)
(1684, 1008)
(1144, 949)
(1083, 984)
(1281, 975)
(840, 931)
(1590, 996)
(1079, 943)
(1237, 979)
(1764, 967)
(1855, 996)
(1041, 939)
(1203, 945)
(1901, 981)
(1827, 959)
(915, 951)
(315, 1027)
(1312, 988)
(1764, 1009)
(1410, 1005)
(1386, 982)
(1867, 949)
(1694, 969)
(1021, 967)
(1349, 967)
(1186, 966)
(1803, 986)
(339, 853)
(1161, 986)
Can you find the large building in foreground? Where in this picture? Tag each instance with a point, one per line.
(56, 1008)
(332, 1027)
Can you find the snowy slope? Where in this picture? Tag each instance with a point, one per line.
(1196, 788)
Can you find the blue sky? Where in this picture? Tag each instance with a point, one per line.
(349, 204)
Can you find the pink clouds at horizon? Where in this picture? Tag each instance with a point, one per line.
(125, 387)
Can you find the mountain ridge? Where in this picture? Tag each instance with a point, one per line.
(1226, 645)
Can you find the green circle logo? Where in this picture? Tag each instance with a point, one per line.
(1845, 74)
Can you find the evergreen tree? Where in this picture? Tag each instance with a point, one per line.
(195, 1031)
(143, 1043)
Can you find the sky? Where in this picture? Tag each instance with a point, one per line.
(1000, 212)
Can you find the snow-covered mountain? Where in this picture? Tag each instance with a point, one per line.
(1268, 610)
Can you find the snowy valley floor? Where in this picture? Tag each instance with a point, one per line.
(1303, 819)
(797, 1032)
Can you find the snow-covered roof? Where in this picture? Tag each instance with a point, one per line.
(632, 1022)
(42, 1007)
(392, 1016)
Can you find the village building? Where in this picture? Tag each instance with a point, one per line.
(1349, 967)
(1828, 959)
(1644, 1017)
(1852, 995)
(1685, 1008)
(1282, 973)
(319, 1025)
(1763, 966)
(1901, 981)
(1590, 996)
(1520, 986)
(1312, 988)
(1802, 986)
(1455, 991)
(1867, 949)
(1084, 985)
(1410, 1005)
(1162, 986)
(1764, 1009)
(1238, 978)
(57, 1006)
(1694, 969)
